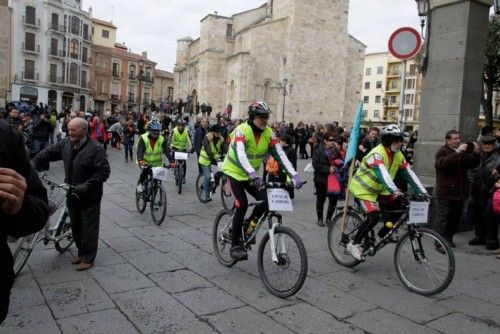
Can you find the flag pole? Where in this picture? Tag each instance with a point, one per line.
(346, 201)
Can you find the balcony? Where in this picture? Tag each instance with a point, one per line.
(148, 78)
(35, 23)
(57, 53)
(117, 75)
(87, 60)
(33, 49)
(30, 76)
(132, 76)
(86, 37)
(115, 97)
(54, 79)
(57, 29)
(131, 99)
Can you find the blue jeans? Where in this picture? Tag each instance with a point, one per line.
(206, 185)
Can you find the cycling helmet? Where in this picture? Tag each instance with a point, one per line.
(258, 108)
(389, 133)
(181, 122)
(154, 126)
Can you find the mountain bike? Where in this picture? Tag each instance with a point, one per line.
(281, 257)
(60, 233)
(225, 192)
(154, 193)
(179, 175)
(424, 261)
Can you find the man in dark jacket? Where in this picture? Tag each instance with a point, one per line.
(199, 134)
(41, 132)
(86, 169)
(453, 160)
(23, 204)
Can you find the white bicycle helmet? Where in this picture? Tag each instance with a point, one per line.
(389, 133)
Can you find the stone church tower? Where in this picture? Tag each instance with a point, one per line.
(248, 55)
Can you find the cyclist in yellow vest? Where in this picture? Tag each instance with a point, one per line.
(150, 150)
(212, 150)
(373, 182)
(250, 142)
(178, 142)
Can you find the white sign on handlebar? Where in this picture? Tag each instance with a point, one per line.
(219, 165)
(160, 173)
(180, 156)
(279, 200)
(419, 213)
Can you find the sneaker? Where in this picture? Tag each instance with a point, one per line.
(356, 250)
(238, 253)
(320, 223)
(477, 241)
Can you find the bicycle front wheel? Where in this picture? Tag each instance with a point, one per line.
(178, 177)
(225, 194)
(140, 200)
(64, 235)
(158, 204)
(286, 277)
(424, 261)
(338, 239)
(22, 252)
(200, 188)
(221, 237)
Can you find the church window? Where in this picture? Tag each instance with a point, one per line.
(367, 85)
(368, 71)
(229, 30)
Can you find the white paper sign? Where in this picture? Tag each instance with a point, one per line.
(279, 200)
(419, 213)
(180, 156)
(219, 165)
(160, 173)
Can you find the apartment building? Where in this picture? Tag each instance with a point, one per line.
(51, 53)
(163, 88)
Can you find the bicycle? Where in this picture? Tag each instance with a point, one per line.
(60, 233)
(180, 163)
(154, 193)
(421, 254)
(282, 256)
(218, 177)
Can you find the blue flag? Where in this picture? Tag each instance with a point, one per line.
(354, 136)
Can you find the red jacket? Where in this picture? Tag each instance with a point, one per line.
(93, 130)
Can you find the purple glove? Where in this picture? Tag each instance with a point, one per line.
(297, 181)
(255, 180)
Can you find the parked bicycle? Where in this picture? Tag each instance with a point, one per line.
(60, 233)
(179, 175)
(154, 193)
(424, 261)
(283, 267)
(225, 192)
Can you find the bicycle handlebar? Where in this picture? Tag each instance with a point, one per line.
(43, 176)
(284, 185)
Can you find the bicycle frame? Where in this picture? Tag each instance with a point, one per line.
(48, 235)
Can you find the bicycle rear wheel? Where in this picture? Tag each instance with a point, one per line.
(64, 235)
(337, 241)
(221, 237)
(178, 177)
(22, 252)
(285, 278)
(424, 261)
(140, 200)
(225, 194)
(158, 204)
(200, 188)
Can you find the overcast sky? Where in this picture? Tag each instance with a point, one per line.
(155, 25)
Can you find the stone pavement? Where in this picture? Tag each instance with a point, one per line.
(150, 279)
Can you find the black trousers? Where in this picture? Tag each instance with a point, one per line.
(449, 217)
(321, 199)
(85, 228)
(5, 286)
(238, 189)
(485, 221)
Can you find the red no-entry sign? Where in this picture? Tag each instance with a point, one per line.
(404, 43)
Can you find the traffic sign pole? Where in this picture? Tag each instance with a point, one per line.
(402, 115)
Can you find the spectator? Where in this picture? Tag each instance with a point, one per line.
(14, 117)
(368, 143)
(301, 137)
(129, 132)
(41, 131)
(97, 131)
(86, 169)
(23, 210)
(453, 160)
(209, 110)
(199, 134)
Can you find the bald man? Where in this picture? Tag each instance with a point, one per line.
(86, 169)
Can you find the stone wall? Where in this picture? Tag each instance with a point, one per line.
(355, 66)
(243, 20)
(4, 51)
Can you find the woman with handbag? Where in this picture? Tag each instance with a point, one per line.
(325, 153)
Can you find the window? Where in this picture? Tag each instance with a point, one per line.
(413, 69)
(30, 15)
(55, 21)
(148, 73)
(377, 99)
(146, 98)
(394, 84)
(366, 99)
(105, 33)
(378, 85)
(229, 30)
(53, 73)
(83, 79)
(53, 46)
(408, 113)
(131, 72)
(368, 71)
(86, 32)
(367, 85)
(393, 99)
(29, 41)
(115, 89)
(73, 74)
(410, 84)
(376, 114)
(131, 95)
(75, 25)
(395, 70)
(409, 99)
(365, 112)
(85, 57)
(74, 48)
(380, 70)
(116, 70)
(29, 69)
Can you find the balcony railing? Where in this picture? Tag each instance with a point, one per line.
(132, 76)
(28, 49)
(57, 28)
(131, 99)
(31, 76)
(148, 79)
(30, 23)
(57, 53)
(54, 79)
(117, 75)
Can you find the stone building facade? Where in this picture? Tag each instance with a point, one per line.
(250, 54)
(5, 17)
(163, 87)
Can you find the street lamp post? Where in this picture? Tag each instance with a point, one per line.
(141, 64)
(496, 7)
(423, 10)
(286, 91)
